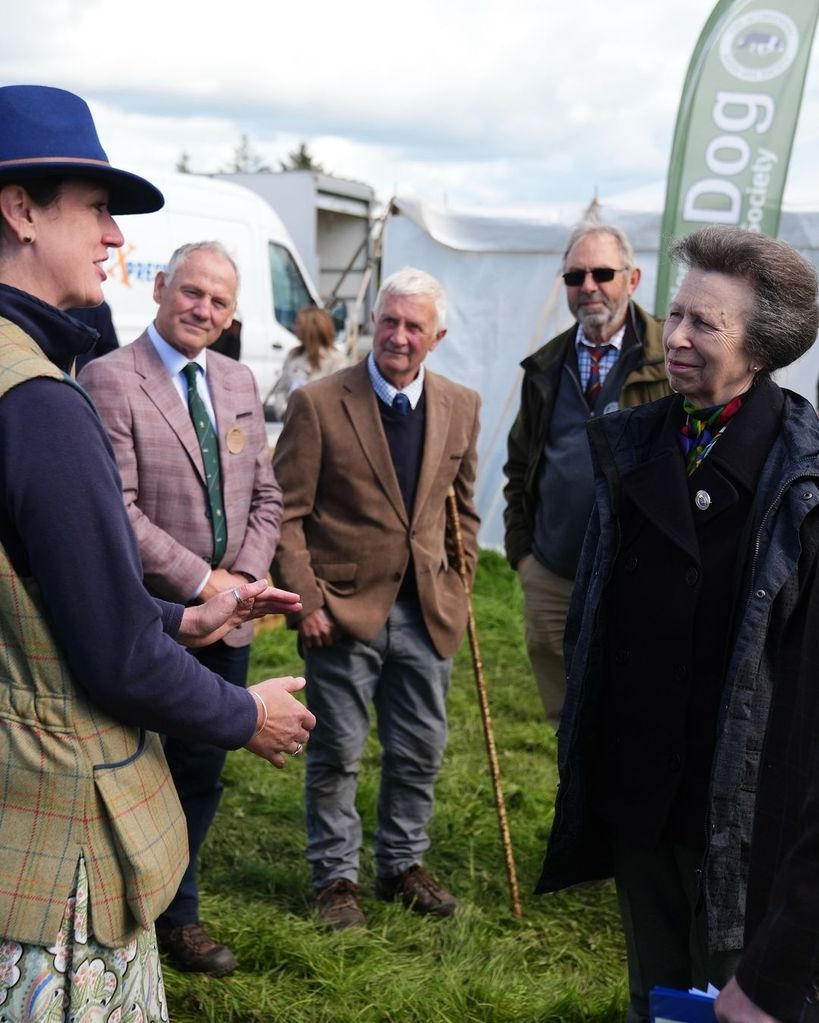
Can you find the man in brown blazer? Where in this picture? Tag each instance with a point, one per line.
(365, 460)
(188, 433)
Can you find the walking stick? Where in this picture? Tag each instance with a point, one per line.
(483, 700)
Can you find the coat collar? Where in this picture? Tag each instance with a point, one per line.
(637, 448)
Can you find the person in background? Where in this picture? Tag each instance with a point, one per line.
(203, 525)
(612, 358)
(229, 342)
(314, 358)
(366, 459)
(99, 317)
(92, 838)
(689, 745)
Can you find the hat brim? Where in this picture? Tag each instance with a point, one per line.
(128, 193)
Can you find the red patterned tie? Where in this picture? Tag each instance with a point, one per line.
(596, 353)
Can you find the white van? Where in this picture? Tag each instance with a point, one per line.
(274, 283)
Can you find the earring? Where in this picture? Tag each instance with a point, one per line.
(27, 239)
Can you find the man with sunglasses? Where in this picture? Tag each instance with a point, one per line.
(611, 358)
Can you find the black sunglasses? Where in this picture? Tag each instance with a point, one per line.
(600, 275)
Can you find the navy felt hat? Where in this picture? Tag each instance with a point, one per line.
(45, 132)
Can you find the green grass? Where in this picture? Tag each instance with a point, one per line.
(563, 962)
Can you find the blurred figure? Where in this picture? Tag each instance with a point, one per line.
(229, 342)
(314, 358)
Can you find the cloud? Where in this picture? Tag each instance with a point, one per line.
(526, 101)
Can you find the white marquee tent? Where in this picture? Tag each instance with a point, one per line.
(500, 269)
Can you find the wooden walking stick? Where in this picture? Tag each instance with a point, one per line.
(483, 700)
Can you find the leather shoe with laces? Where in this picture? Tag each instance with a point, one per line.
(418, 891)
(190, 948)
(337, 904)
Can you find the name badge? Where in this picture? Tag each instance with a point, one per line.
(235, 440)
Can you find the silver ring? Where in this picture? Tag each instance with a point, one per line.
(297, 750)
(237, 598)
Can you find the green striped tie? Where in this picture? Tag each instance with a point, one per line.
(210, 460)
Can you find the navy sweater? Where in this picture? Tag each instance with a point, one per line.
(63, 522)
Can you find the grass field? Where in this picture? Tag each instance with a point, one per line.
(563, 962)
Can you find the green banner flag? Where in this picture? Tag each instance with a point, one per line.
(736, 122)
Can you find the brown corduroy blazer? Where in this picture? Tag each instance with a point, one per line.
(346, 537)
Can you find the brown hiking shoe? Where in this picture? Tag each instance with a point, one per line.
(418, 891)
(337, 904)
(189, 947)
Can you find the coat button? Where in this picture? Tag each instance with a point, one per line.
(674, 762)
(397, 577)
(702, 499)
(620, 656)
(632, 563)
(681, 673)
(692, 576)
(760, 594)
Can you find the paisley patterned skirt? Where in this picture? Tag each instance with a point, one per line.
(76, 980)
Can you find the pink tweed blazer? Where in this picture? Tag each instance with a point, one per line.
(163, 483)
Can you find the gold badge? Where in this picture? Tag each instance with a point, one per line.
(235, 440)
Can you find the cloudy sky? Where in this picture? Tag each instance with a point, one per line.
(475, 102)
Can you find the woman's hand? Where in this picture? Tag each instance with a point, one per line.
(205, 623)
(734, 1006)
(284, 723)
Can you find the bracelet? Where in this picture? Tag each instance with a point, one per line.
(263, 705)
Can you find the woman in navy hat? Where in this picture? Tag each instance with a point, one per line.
(92, 840)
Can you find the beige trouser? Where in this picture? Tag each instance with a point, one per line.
(545, 607)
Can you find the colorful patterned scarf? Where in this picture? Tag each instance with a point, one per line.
(702, 429)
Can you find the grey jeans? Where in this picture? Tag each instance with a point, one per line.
(401, 674)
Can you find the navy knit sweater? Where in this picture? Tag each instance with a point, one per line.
(63, 522)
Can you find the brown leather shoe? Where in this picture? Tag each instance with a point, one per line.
(418, 891)
(190, 948)
(337, 904)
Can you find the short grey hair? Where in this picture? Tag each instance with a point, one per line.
(182, 253)
(584, 230)
(414, 282)
(783, 323)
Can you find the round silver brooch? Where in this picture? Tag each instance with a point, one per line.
(702, 499)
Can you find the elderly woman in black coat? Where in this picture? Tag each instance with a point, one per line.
(689, 747)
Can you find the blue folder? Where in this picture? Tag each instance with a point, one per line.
(670, 1006)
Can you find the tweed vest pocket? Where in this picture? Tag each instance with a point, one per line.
(153, 844)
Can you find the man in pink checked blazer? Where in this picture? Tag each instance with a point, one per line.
(188, 433)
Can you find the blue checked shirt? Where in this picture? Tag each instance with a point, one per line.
(582, 344)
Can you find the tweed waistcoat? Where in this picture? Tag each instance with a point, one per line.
(75, 782)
